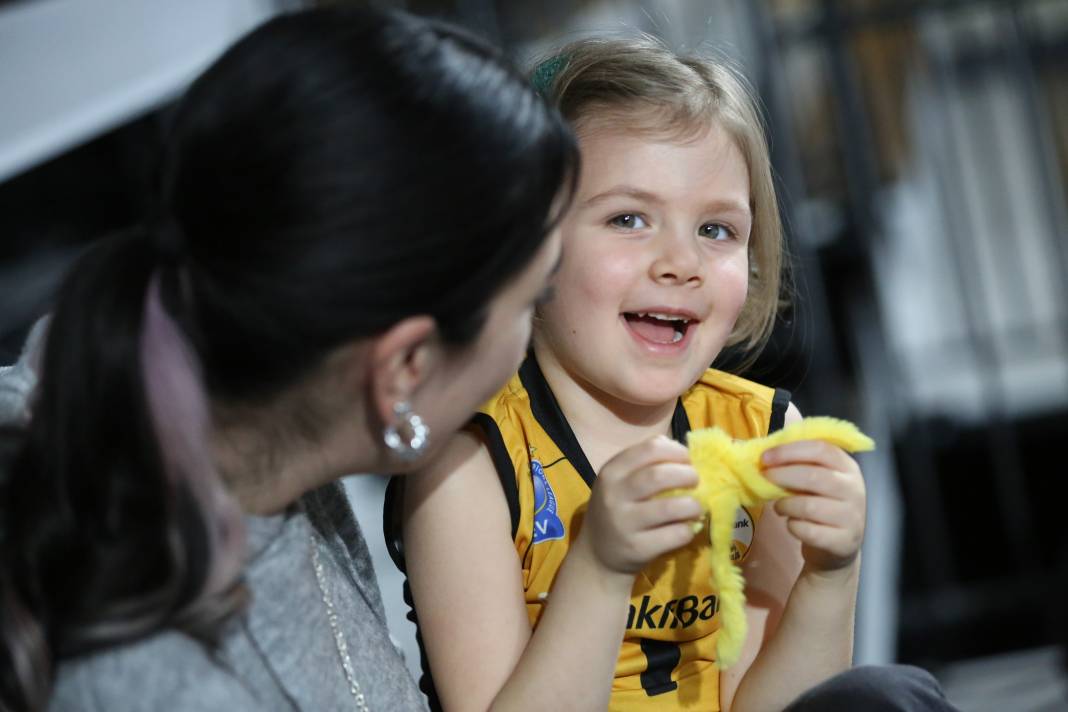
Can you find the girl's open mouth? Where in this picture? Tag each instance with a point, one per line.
(659, 329)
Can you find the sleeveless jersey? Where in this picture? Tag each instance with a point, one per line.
(667, 660)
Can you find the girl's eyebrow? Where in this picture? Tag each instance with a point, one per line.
(729, 205)
(628, 191)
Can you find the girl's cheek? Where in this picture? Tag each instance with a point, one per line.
(604, 277)
(736, 277)
(576, 284)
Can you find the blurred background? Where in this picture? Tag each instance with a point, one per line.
(921, 149)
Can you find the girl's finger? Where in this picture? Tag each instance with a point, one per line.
(813, 480)
(648, 452)
(835, 541)
(654, 513)
(812, 452)
(819, 510)
(654, 542)
(652, 480)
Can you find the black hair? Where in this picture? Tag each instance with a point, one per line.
(335, 171)
(409, 173)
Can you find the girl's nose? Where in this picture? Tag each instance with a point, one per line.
(677, 259)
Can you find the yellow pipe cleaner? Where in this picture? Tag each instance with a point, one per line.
(731, 475)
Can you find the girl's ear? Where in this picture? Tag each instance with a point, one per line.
(401, 360)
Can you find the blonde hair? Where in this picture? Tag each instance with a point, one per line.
(680, 95)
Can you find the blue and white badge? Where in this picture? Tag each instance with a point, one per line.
(547, 524)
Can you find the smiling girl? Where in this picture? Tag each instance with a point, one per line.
(543, 522)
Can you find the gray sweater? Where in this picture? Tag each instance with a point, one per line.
(280, 654)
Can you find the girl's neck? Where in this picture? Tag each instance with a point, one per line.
(603, 424)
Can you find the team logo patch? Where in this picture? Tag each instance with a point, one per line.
(547, 524)
(743, 534)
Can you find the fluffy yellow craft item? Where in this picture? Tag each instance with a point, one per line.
(731, 475)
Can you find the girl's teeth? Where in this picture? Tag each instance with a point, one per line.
(662, 317)
(677, 337)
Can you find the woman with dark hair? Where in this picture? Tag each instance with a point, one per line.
(357, 218)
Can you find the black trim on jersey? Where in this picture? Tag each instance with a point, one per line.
(663, 656)
(680, 423)
(547, 412)
(502, 463)
(779, 403)
(392, 514)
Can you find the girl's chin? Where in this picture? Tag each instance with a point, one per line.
(642, 384)
(654, 394)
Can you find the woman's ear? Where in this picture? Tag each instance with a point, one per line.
(401, 360)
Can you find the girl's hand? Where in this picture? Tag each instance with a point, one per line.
(626, 525)
(827, 508)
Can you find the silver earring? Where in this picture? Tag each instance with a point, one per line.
(408, 436)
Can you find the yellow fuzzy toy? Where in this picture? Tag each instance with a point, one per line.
(731, 475)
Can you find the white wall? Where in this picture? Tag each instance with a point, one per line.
(72, 69)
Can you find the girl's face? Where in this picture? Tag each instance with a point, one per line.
(655, 262)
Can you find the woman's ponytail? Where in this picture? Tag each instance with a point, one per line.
(113, 522)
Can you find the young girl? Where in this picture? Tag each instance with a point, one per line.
(538, 543)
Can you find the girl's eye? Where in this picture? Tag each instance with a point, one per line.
(715, 231)
(628, 221)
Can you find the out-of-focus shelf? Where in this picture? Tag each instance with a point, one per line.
(71, 69)
(945, 379)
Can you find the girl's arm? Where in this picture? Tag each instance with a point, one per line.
(771, 569)
(467, 582)
(801, 579)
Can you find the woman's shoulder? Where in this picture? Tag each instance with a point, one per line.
(169, 670)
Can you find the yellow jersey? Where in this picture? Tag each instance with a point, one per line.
(667, 660)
